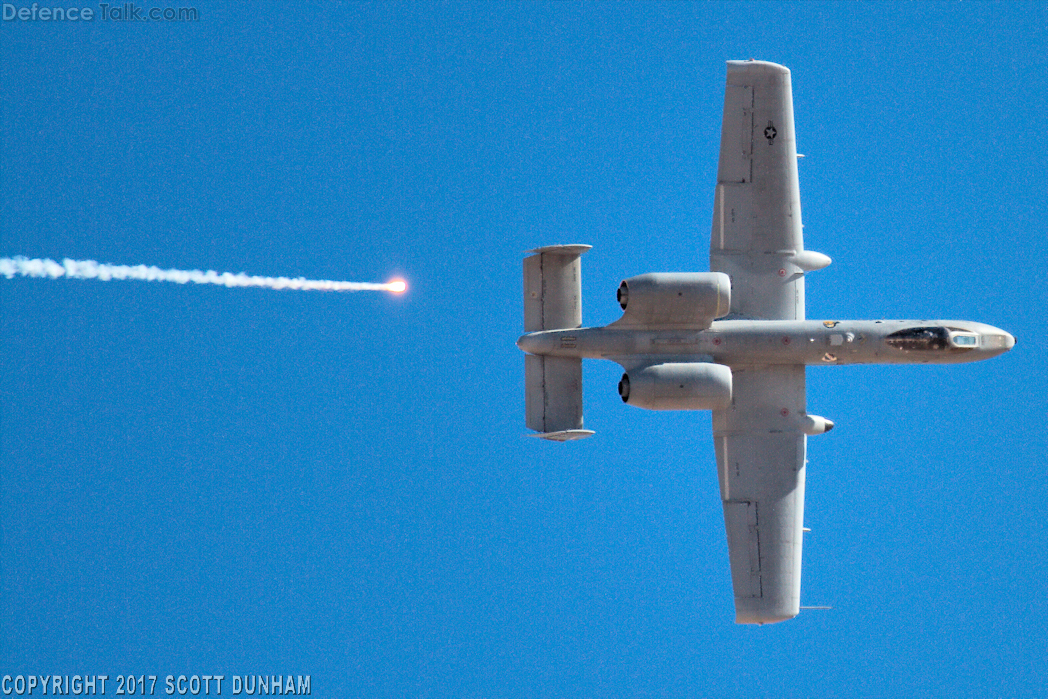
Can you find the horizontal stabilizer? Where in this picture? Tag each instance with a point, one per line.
(553, 288)
(553, 396)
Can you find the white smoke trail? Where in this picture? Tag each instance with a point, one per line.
(89, 269)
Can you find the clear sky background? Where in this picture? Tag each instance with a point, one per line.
(200, 480)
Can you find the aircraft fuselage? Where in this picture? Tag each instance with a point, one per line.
(759, 342)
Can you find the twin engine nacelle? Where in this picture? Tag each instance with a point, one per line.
(675, 300)
(692, 386)
(678, 386)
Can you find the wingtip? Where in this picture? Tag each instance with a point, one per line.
(761, 610)
(754, 65)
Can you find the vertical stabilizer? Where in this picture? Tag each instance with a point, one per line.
(553, 301)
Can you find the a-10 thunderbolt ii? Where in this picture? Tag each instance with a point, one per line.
(733, 340)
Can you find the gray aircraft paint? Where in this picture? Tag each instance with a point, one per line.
(750, 342)
(748, 367)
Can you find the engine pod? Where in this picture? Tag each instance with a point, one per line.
(682, 299)
(678, 386)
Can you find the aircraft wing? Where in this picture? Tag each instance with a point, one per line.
(760, 449)
(757, 207)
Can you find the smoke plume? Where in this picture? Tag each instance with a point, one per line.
(89, 269)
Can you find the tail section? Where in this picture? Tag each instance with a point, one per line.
(553, 301)
(553, 288)
(553, 388)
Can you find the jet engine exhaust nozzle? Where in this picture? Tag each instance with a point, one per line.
(624, 388)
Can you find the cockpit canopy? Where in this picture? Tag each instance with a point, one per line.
(932, 338)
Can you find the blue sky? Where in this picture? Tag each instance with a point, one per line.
(199, 480)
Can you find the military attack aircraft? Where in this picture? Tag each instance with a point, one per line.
(733, 340)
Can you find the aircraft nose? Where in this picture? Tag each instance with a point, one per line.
(997, 340)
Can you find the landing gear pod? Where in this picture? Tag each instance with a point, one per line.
(814, 424)
(683, 386)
